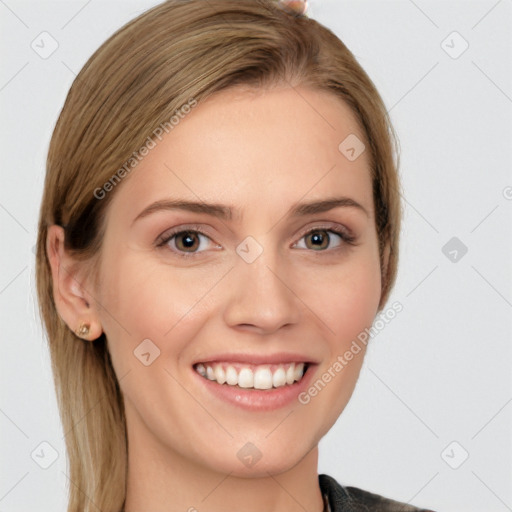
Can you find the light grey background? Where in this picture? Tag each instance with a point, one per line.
(440, 372)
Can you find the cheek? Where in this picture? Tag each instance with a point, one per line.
(359, 295)
(146, 300)
(347, 306)
(345, 298)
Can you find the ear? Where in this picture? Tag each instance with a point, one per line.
(74, 302)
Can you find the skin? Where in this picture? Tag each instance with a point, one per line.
(260, 153)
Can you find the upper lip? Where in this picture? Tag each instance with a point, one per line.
(278, 358)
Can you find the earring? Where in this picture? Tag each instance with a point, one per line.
(82, 330)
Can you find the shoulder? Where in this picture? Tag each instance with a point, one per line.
(352, 499)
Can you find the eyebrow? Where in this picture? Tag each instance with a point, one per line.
(225, 212)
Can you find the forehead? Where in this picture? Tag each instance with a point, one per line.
(253, 148)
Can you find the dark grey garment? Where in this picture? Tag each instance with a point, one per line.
(352, 499)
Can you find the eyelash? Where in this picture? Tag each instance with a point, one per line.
(167, 237)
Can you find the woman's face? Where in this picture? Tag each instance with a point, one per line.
(260, 280)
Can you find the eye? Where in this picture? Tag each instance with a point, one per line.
(318, 239)
(185, 242)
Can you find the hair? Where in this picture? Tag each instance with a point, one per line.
(178, 51)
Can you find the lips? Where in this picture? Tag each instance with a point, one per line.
(257, 359)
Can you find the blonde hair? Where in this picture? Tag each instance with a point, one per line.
(178, 51)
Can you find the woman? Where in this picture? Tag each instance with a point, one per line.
(219, 225)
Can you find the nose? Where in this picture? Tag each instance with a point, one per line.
(261, 296)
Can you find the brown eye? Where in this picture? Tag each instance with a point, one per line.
(324, 240)
(187, 241)
(319, 239)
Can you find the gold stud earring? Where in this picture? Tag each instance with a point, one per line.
(82, 330)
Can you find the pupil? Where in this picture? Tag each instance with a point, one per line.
(317, 238)
(188, 240)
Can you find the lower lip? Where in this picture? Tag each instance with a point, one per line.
(257, 399)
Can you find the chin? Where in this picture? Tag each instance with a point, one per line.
(254, 460)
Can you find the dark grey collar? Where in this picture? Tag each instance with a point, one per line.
(352, 499)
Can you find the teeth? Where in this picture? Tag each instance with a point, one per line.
(299, 371)
(220, 374)
(279, 378)
(231, 376)
(201, 369)
(246, 378)
(262, 378)
(256, 377)
(290, 374)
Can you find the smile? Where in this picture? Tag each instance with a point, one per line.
(250, 376)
